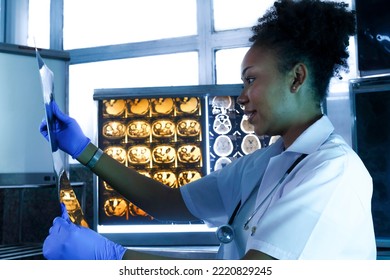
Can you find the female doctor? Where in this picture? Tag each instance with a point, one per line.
(307, 196)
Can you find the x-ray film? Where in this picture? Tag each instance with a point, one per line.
(66, 193)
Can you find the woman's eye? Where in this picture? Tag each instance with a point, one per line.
(249, 80)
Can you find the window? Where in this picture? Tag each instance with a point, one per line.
(163, 70)
(126, 50)
(91, 23)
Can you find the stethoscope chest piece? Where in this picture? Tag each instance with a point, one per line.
(225, 234)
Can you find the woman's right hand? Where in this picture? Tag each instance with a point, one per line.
(65, 131)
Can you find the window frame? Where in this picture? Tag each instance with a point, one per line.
(206, 42)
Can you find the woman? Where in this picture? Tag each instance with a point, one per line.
(307, 196)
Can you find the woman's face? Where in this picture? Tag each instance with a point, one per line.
(266, 93)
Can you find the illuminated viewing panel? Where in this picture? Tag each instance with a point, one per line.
(175, 139)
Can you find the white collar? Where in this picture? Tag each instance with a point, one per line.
(313, 137)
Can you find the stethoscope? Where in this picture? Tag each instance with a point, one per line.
(226, 234)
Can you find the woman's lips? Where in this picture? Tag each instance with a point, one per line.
(250, 115)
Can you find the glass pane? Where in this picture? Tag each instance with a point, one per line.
(91, 23)
(228, 65)
(163, 70)
(39, 24)
(233, 14)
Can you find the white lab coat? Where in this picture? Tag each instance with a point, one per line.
(322, 210)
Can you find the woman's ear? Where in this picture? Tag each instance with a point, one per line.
(299, 76)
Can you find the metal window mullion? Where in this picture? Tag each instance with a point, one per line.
(132, 50)
(16, 22)
(56, 24)
(2, 21)
(206, 52)
(231, 39)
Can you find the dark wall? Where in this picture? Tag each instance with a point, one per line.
(26, 214)
(372, 143)
(1, 214)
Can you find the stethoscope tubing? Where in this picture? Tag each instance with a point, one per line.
(225, 233)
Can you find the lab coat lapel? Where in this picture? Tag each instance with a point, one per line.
(276, 169)
(310, 140)
(259, 168)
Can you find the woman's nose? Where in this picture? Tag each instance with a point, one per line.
(242, 98)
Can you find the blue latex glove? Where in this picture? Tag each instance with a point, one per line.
(66, 132)
(67, 241)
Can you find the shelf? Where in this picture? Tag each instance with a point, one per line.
(21, 251)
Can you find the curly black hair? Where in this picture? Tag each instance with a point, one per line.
(311, 31)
